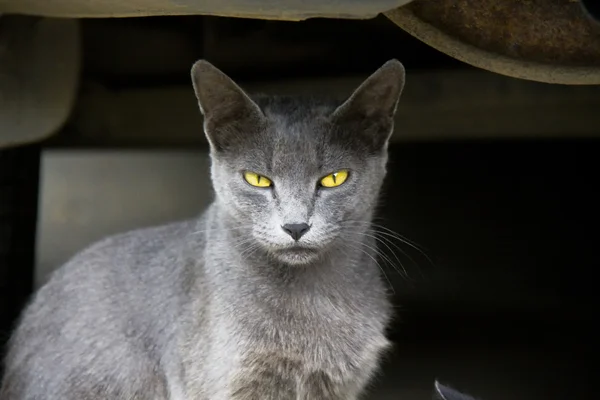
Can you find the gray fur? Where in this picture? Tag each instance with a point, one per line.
(228, 306)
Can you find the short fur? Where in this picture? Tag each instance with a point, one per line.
(229, 306)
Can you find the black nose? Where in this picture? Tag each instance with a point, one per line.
(296, 231)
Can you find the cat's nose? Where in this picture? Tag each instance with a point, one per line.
(296, 231)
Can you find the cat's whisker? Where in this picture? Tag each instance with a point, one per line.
(242, 246)
(383, 239)
(220, 229)
(247, 248)
(420, 248)
(383, 242)
(404, 238)
(394, 232)
(239, 246)
(251, 251)
(391, 233)
(373, 249)
(376, 262)
(398, 235)
(383, 256)
(386, 236)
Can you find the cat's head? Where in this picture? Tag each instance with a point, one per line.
(298, 174)
(442, 392)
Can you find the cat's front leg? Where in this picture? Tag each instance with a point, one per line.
(265, 377)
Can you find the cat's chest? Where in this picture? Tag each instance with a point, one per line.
(322, 334)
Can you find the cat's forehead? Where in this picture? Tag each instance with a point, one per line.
(299, 137)
(296, 108)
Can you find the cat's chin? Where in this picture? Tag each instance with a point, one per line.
(297, 256)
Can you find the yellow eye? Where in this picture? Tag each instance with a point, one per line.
(335, 179)
(257, 180)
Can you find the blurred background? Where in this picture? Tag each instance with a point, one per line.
(494, 178)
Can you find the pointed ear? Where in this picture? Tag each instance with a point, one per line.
(373, 104)
(228, 111)
(442, 392)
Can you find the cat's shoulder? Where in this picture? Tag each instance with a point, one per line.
(147, 242)
(150, 239)
(141, 250)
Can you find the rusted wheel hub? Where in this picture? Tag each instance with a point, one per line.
(543, 40)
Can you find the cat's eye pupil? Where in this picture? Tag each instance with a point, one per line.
(334, 179)
(257, 180)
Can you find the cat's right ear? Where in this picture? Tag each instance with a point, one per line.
(228, 111)
(372, 106)
(442, 392)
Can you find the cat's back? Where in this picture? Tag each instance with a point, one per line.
(122, 294)
(125, 265)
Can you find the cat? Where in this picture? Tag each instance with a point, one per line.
(442, 392)
(272, 294)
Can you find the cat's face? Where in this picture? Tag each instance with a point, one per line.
(298, 176)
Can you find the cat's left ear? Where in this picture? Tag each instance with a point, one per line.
(442, 392)
(229, 113)
(372, 106)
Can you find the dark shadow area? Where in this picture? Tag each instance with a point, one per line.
(507, 309)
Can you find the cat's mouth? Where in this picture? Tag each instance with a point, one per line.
(297, 254)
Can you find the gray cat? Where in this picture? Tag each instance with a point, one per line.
(274, 293)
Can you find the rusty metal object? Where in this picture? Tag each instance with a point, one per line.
(543, 40)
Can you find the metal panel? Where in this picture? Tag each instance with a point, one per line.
(39, 73)
(265, 9)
